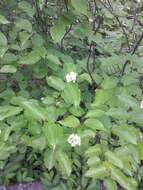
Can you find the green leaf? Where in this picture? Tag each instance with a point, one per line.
(71, 94)
(110, 184)
(93, 161)
(55, 82)
(94, 150)
(30, 59)
(123, 180)
(102, 96)
(95, 124)
(53, 59)
(126, 133)
(87, 134)
(85, 77)
(37, 40)
(70, 121)
(130, 78)
(38, 143)
(69, 67)
(129, 101)
(118, 113)
(109, 82)
(3, 20)
(31, 107)
(8, 111)
(95, 113)
(97, 173)
(49, 158)
(64, 162)
(8, 69)
(24, 24)
(80, 6)
(26, 7)
(53, 134)
(59, 29)
(34, 128)
(3, 40)
(24, 37)
(115, 160)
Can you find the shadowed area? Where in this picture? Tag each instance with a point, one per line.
(28, 186)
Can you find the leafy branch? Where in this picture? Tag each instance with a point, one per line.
(133, 52)
(111, 10)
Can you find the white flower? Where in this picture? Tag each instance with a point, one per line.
(90, 20)
(71, 77)
(141, 104)
(74, 140)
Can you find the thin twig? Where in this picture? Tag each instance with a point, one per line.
(88, 64)
(137, 44)
(46, 3)
(66, 33)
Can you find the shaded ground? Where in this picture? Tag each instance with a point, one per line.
(29, 186)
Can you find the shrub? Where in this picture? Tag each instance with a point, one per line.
(71, 93)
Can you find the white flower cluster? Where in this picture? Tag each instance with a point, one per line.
(74, 140)
(71, 77)
(141, 104)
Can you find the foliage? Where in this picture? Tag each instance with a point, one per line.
(71, 67)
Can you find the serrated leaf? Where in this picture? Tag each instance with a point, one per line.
(70, 121)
